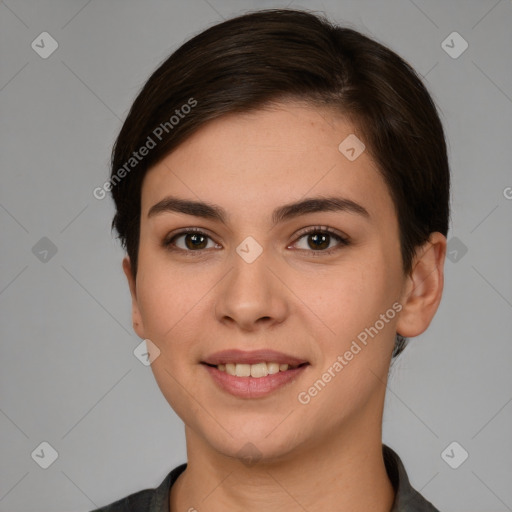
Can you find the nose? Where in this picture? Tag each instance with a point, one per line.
(251, 296)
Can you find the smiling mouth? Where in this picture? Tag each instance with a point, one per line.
(257, 370)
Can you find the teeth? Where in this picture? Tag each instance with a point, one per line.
(253, 370)
(272, 368)
(242, 370)
(259, 370)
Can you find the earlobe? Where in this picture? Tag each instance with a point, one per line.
(424, 287)
(137, 323)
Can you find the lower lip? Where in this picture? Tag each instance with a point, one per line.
(252, 387)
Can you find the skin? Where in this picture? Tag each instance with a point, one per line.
(293, 298)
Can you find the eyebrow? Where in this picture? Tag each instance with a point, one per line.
(280, 214)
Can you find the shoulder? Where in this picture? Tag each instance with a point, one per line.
(150, 500)
(407, 499)
(140, 500)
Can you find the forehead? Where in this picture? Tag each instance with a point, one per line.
(264, 158)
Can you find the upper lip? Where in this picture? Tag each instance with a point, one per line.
(252, 357)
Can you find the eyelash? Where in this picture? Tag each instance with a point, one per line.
(168, 242)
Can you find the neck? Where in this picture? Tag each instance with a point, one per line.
(348, 471)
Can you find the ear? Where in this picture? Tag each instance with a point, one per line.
(138, 325)
(423, 288)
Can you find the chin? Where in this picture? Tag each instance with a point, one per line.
(250, 444)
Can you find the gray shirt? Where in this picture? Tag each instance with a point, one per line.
(407, 499)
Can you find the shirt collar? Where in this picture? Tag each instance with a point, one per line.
(407, 499)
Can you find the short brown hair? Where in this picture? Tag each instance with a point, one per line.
(248, 61)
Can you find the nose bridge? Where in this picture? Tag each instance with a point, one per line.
(251, 293)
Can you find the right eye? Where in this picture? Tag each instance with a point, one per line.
(194, 241)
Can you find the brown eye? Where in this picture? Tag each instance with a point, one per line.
(320, 239)
(188, 241)
(195, 241)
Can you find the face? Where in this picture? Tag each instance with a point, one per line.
(307, 283)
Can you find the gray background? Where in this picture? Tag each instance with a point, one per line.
(68, 373)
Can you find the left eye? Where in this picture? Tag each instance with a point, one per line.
(319, 240)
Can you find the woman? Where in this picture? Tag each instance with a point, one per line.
(282, 191)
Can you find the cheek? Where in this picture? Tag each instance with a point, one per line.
(355, 302)
(177, 386)
(171, 309)
(166, 295)
(352, 295)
